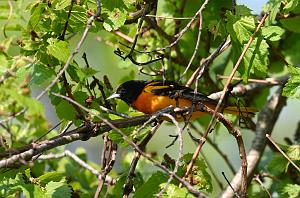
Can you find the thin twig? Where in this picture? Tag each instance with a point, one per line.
(108, 180)
(180, 154)
(173, 18)
(265, 122)
(281, 151)
(197, 151)
(62, 36)
(233, 190)
(124, 36)
(270, 81)
(257, 179)
(136, 147)
(108, 158)
(184, 30)
(75, 51)
(70, 58)
(8, 18)
(197, 42)
(217, 148)
(128, 183)
(207, 61)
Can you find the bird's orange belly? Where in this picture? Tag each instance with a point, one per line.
(149, 104)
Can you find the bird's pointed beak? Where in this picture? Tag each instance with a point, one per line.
(115, 95)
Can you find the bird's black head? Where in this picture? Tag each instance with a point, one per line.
(129, 91)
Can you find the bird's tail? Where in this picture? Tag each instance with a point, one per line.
(243, 111)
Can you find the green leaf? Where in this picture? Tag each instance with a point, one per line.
(240, 28)
(89, 72)
(272, 7)
(116, 12)
(294, 152)
(65, 111)
(256, 60)
(34, 107)
(118, 187)
(292, 190)
(4, 63)
(290, 6)
(50, 176)
(200, 174)
(58, 49)
(41, 74)
(272, 33)
(115, 19)
(151, 187)
(174, 191)
(291, 22)
(57, 190)
(76, 73)
(277, 165)
(292, 87)
(36, 16)
(8, 186)
(78, 18)
(61, 4)
(242, 10)
(291, 45)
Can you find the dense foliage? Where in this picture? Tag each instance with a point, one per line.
(35, 45)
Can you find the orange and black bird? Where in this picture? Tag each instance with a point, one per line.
(151, 96)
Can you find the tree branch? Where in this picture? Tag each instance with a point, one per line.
(266, 121)
(81, 133)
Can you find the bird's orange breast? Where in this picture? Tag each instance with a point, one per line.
(149, 103)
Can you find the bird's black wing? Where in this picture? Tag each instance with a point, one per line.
(174, 90)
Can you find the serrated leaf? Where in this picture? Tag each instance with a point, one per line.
(58, 190)
(58, 49)
(294, 152)
(272, 7)
(8, 186)
(240, 28)
(294, 70)
(292, 87)
(272, 33)
(115, 19)
(78, 18)
(292, 190)
(151, 186)
(256, 60)
(200, 175)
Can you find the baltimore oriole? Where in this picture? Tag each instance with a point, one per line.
(151, 96)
